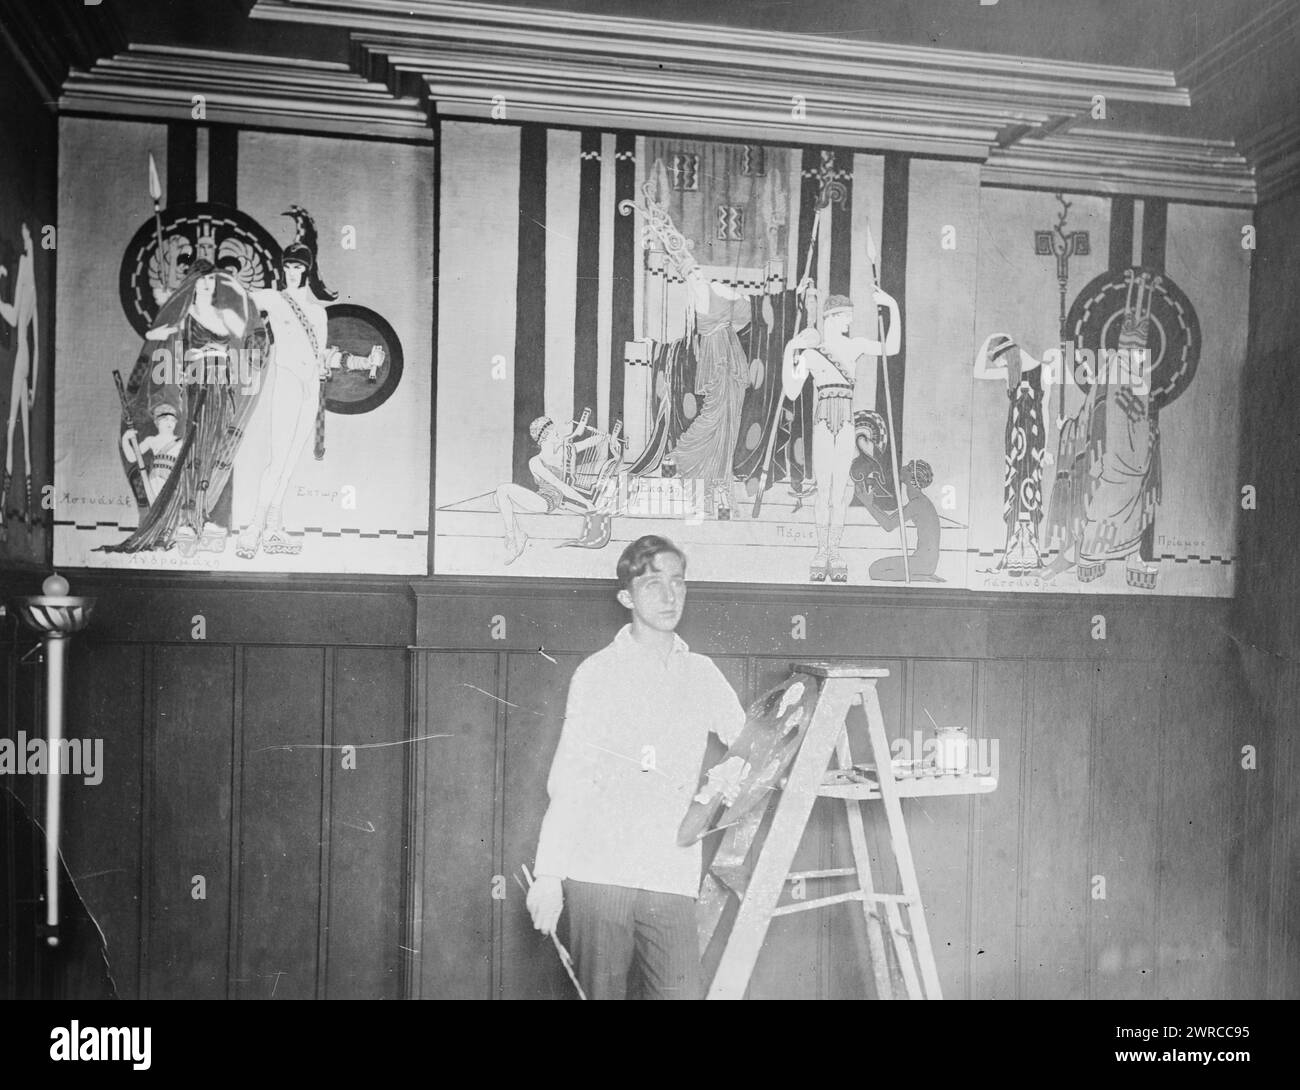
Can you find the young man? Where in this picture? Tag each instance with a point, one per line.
(628, 763)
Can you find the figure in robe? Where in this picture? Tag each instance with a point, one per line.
(1028, 385)
(706, 449)
(197, 379)
(1108, 470)
(296, 381)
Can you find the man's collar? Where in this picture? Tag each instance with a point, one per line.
(625, 642)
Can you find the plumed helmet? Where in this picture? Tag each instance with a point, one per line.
(919, 473)
(869, 424)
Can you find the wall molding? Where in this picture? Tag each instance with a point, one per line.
(159, 82)
(1275, 150)
(1176, 168)
(658, 76)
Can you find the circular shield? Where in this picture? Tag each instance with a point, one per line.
(228, 238)
(362, 336)
(1173, 336)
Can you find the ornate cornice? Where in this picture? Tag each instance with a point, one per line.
(1023, 118)
(1143, 165)
(159, 82)
(799, 62)
(462, 80)
(1275, 150)
(1015, 114)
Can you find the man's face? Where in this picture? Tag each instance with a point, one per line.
(838, 321)
(657, 596)
(293, 274)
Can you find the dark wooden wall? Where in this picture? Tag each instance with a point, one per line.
(1266, 617)
(1119, 759)
(223, 760)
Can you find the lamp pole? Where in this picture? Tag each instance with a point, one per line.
(55, 617)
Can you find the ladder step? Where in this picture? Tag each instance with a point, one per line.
(834, 872)
(912, 787)
(818, 902)
(840, 898)
(891, 898)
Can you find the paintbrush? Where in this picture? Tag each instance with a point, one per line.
(565, 959)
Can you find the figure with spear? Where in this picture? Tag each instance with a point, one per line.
(827, 353)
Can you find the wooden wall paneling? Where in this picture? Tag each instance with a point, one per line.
(280, 866)
(373, 613)
(1197, 766)
(1125, 846)
(1253, 725)
(188, 806)
(997, 861)
(536, 687)
(23, 875)
(940, 828)
(452, 933)
(105, 702)
(1054, 883)
(367, 813)
(1284, 937)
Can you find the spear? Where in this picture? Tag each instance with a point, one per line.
(889, 400)
(780, 396)
(155, 191)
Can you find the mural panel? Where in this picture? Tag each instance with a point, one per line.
(256, 397)
(813, 365)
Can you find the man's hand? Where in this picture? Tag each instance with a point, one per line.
(546, 902)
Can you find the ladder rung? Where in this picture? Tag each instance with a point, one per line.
(840, 898)
(818, 902)
(834, 872)
(912, 787)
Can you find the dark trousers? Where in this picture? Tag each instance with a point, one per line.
(613, 928)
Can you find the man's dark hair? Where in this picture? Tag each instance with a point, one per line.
(638, 557)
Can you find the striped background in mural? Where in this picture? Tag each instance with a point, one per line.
(578, 261)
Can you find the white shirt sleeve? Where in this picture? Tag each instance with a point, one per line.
(571, 781)
(729, 717)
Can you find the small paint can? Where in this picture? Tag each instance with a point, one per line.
(951, 754)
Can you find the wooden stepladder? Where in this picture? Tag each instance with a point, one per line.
(824, 768)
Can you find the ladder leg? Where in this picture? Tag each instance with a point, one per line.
(782, 841)
(902, 846)
(862, 861)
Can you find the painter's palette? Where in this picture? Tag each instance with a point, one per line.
(756, 762)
